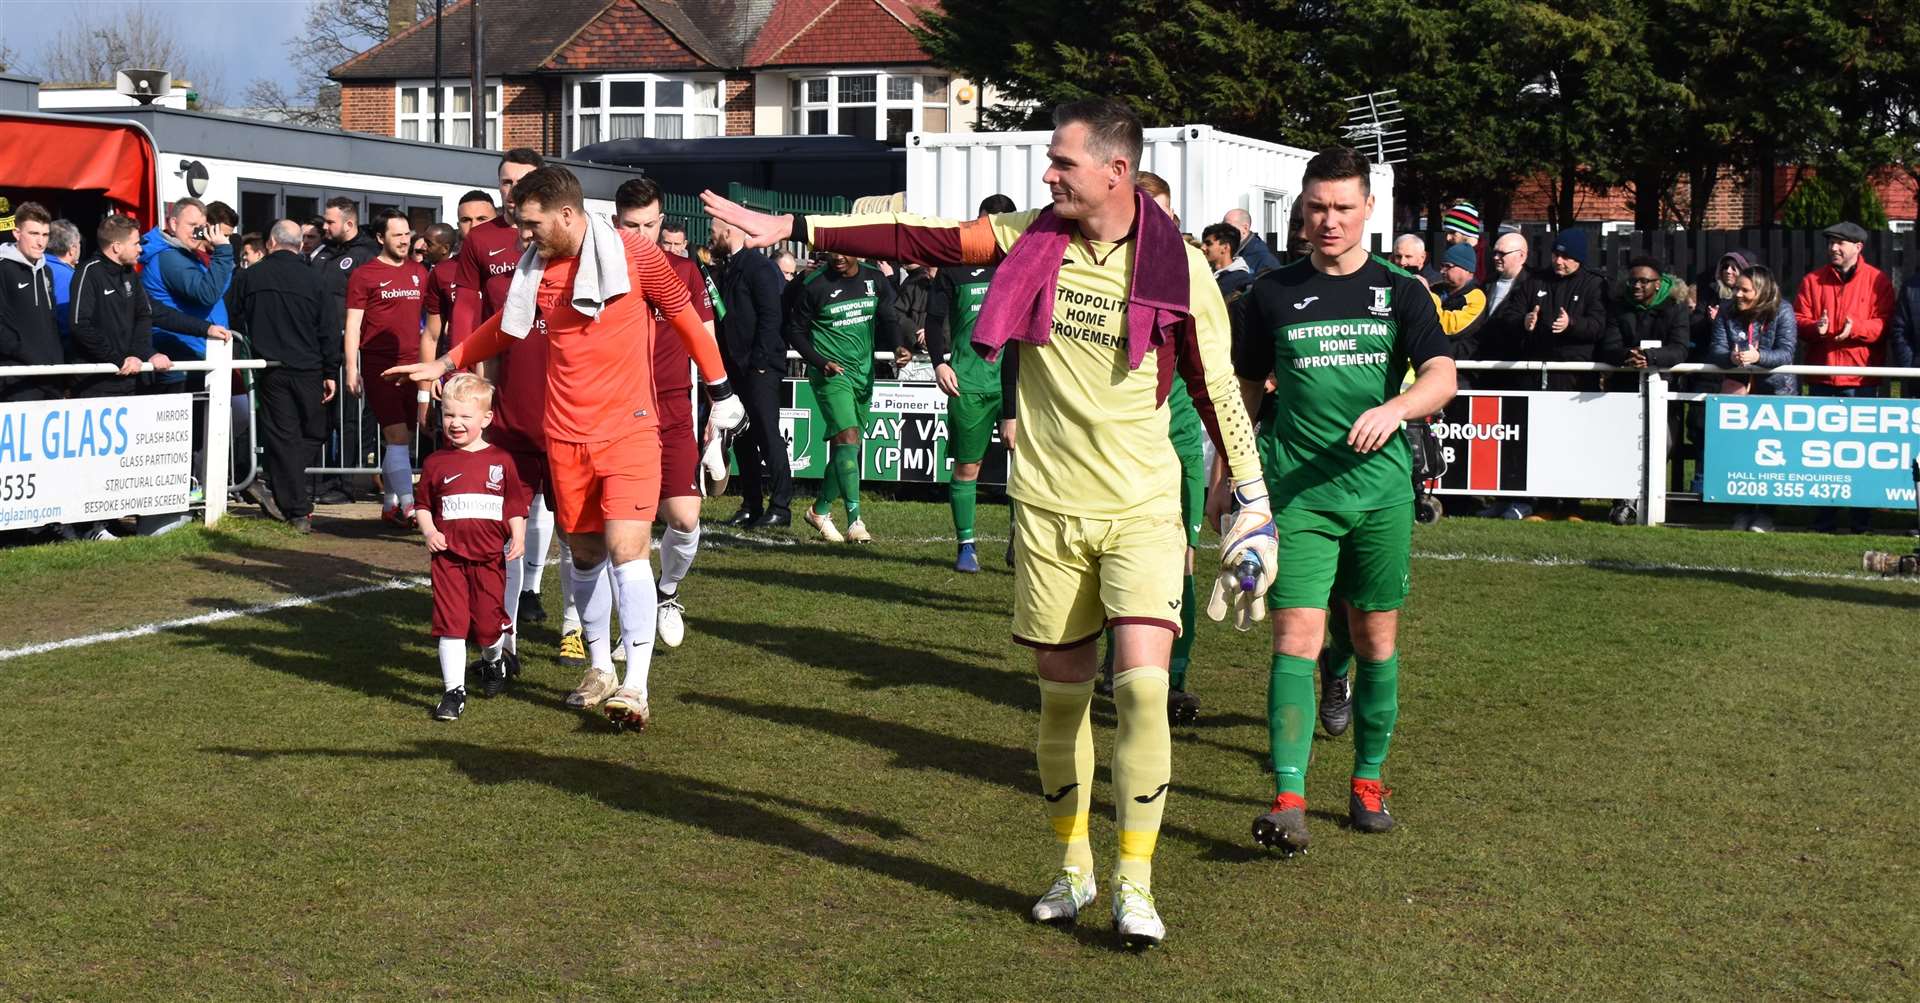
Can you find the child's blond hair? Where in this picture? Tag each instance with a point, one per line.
(469, 387)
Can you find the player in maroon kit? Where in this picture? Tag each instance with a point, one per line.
(637, 205)
(441, 269)
(483, 274)
(384, 300)
(472, 511)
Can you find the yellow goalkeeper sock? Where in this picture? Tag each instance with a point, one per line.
(1142, 767)
(1065, 754)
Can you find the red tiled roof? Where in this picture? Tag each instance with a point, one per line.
(845, 32)
(625, 37)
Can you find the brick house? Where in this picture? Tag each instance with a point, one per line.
(562, 74)
(1735, 203)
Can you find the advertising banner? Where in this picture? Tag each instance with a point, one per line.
(1542, 444)
(86, 460)
(1834, 451)
(905, 441)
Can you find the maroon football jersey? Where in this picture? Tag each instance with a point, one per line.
(392, 296)
(471, 495)
(672, 367)
(440, 287)
(484, 273)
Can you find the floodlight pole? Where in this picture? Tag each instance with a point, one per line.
(436, 71)
(476, 88)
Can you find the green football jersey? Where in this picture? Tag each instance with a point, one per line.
(964, 289)
(1337, 347)
(842, 314)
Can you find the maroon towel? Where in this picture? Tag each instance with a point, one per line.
(1019, 304)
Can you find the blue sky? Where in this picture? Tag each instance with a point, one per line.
(245, 38)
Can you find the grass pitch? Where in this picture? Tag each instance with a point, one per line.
(1630, 764)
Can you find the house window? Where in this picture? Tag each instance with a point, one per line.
(871, 105)
(414, 113)
(643, 105)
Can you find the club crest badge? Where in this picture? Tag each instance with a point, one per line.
(1382, 300)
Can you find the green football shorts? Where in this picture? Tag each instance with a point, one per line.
(1361, 557)
(846, 401)
(970, 421)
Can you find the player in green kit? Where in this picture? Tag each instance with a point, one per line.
(971, 383)
(1338, 331)
(840, 313)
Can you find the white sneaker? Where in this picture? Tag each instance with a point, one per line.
(1761, 523)
(594, 687)
(1072, 891)
(101, 533)
(824, 524)
(857, 532)
(626, 708)
(672, 621)
(1134, 917)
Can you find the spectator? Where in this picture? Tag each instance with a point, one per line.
(786, 262)
(1840, 313)
(1650, 328)
(1755, 328)
(910, 306)
(476, 207)
(346, 249)
(1714, 293)
(186, 265)
(1567, 316)
(1903, 341)
(1253, 250)
(313, 236)
(1461, 301)
(29, 336)
(1461, 225)
(1220, 243)
(222, 215)
(417, 249)
(253, 247)
(756, 356)
(63, 253)
(280, 304)
(1410, 253)
(673, 237)
(113, 318)
(1508, 263)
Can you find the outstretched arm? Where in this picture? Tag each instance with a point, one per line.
(889, 236)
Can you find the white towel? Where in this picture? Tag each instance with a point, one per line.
(602, 277)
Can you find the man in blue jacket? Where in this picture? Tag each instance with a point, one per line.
(63, 253)
(1253, 250)
(186, 265)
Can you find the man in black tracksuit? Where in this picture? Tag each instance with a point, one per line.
(113, 318)
(1562, 314)
(29, 335)
(347, 248)
(281, 304)
(756, 357)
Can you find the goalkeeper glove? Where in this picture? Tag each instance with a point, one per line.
(728, 413)
(1249, 550)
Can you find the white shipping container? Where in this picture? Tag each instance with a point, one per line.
(1210, 171)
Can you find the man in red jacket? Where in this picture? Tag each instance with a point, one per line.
(1842, 309)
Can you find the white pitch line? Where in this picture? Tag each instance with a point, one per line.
(294, 602)
(1609, 564)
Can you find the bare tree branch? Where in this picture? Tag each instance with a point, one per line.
(97, 42)
(335, 31)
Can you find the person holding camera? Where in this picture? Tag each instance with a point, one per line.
(186, 265)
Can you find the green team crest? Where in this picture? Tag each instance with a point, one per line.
(1382, 301)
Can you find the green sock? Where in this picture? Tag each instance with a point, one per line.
(1290, 710)
(1183, 645)
(846, 460)
(1339, 638)
(1376, 705)
(961, 496)
(829, 489)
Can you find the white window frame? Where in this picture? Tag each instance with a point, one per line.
(651, 112)
(422, 120)
(800, 108)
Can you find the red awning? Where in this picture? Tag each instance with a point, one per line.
(72, 154)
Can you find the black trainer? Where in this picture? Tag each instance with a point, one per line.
(530, 609)
(1336, 697)
(452, 702)
(1182, 707)
(512, 658)
(1367, 806)
(493, 676)
(1283, 828)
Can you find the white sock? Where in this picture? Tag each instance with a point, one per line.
(633, 583)
(453, 663)
(596, 602)
(569, 610)
(515, 571)
(676, 556)
(539, 539)
(396, 468)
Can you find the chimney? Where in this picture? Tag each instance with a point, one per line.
(399, 16)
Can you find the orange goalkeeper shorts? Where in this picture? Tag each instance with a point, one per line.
(594, 482)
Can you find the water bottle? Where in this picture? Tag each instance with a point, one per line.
(1248, 571)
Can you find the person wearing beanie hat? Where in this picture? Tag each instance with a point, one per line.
(1572, 245)
(1461, 301)
(1461, 224)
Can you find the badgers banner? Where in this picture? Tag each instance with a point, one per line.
(905, 440)
(1852, 451)
(87, 460)
(1541, 444)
